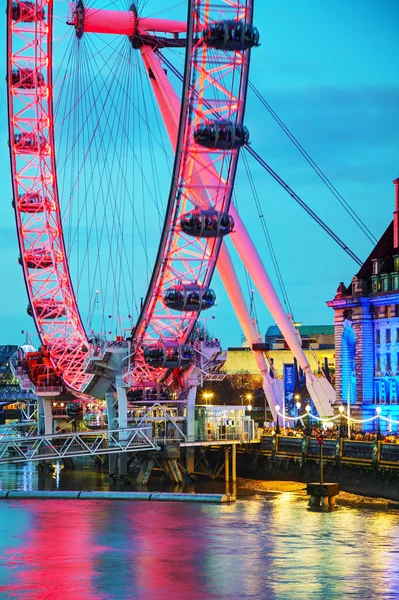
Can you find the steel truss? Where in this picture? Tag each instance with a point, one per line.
(53, 447)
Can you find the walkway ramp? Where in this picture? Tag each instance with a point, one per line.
(53, 447)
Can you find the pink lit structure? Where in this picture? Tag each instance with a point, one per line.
(206, 130)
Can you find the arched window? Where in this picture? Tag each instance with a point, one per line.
(348, 367)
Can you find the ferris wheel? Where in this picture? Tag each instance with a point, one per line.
(125, 125)
(206, 131)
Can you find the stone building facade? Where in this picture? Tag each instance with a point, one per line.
(366, 324)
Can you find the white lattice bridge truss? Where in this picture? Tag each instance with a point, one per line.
(52, 447)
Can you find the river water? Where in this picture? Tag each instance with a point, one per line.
(267, 545)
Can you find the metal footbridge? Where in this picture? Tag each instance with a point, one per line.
(25, 449)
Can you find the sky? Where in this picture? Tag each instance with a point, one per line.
(330, 71)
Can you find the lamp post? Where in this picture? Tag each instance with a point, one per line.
(207, 396)
(341, 426)
(298, 408)
(308, 430)
(349, 418)
(277, 423)
(378, 411)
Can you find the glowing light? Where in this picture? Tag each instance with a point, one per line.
(307, 408)
(341, 409)
(378, 410)
(277, 408)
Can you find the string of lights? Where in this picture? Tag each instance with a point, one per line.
(342, 414)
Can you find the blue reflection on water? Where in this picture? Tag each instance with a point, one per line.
(265, 547)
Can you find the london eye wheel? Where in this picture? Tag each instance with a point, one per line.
(111, 150)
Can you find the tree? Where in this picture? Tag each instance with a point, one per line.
(235, 388)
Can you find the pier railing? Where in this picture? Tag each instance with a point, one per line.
(340, 451)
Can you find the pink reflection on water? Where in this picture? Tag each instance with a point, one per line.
(168, 552)
(58, 559)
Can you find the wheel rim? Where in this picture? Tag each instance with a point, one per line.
(214, 85)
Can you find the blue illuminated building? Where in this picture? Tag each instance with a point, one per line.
(366, 325)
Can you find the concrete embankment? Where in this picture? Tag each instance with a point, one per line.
(363, 480)
(84, 495)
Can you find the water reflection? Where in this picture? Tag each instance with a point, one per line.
(268, 546)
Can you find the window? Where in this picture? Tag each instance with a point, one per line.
(396, 263)
(378, 336)
(377, 262)
(387, 336)
(388, 312)
(386, 282)
(397, 335)
(378, 362)
(388, 362)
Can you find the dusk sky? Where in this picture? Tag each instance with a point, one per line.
(330, 71)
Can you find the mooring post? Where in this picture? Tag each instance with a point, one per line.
(321, 463)
(226, 464)
(233, 462)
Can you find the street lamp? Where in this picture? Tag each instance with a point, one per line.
(341, 427)
(298, 408)
(308, 430)
(207, 396)
(277, 423)
(378, 411)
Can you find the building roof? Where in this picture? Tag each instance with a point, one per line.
(304, 330)
(384, 250)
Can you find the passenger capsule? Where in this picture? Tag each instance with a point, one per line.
(28, 143)
(32, 202)
(221, 135)
(47, 379)
(38, 258)
(230, 35)
(47, 308)
(27, 12)
(206, 223)
(74, 410)
(27, 79)
(169, 355)
(190, 298)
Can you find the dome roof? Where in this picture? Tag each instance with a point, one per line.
(27, 348)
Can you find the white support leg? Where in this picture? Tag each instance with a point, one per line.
(45, 416)
(271, 386)
(190, 420)
(112, 424)
(122, 421)
(321, 391)
(192, 394)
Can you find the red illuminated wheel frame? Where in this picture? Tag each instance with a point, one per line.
(205, 129)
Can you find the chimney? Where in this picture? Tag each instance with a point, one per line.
(396, 215)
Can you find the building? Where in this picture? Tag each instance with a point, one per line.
(366, 324)
(241, 360)
(315, 337)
